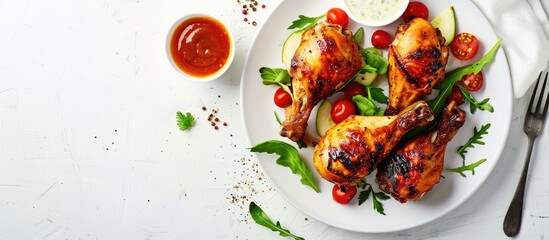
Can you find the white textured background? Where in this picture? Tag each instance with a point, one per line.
(89, 146)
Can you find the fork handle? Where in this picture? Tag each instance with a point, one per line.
(513, 218)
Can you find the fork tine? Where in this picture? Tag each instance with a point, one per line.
(540, 96)
(531, 104)
(547, 99)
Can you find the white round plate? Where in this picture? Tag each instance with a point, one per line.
(258, 115)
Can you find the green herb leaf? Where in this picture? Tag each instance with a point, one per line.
(184, 121)
(475, 139)
(474, 105)
(277, 118)
(377, 94)
(305, 22)
(359, 35)
(471, 167)
(261, 218)
(288, 157)
(376, 198)
(277, 76)
(446, 85)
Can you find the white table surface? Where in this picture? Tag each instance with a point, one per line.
(90, 149)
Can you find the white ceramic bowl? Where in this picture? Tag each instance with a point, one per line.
(387, 18)
(186, 75)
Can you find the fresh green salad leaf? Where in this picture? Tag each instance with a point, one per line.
(473, 104)
(359, 35)
(471, 167)
(376, 198)
(277, 76)
(304, 22)
(366, 107)
(277, 118)
(446, 85)
(288, 157)
(376, 61)
(377, 94)
(475, 139)
(261, 218)
(184, 121)
(367, 68)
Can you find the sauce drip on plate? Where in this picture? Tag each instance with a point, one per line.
(200, 46)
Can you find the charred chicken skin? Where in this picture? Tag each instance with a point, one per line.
(417, 61)
(415, 166)
(350, 150)
(325, 61)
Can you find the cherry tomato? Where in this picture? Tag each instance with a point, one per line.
(342, 109)
(338, 16)
(343, 195)
(415, 9)
(464, 46)
(381, 39)
(282, 98)
(353, 89)
(456, 96)
(473, 82)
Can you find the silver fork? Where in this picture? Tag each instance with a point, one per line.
(533, 125)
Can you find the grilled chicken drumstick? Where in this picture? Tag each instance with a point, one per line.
(417, 61)
(415, 166)
(350, 150)
(324, 62)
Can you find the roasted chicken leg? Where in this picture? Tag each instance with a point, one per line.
(350, 150)
(415, 166)
(417, 61)
(324, 62)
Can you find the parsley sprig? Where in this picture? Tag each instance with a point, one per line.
(376, 197)
(184, 121)
(261, 218)
(475, 139)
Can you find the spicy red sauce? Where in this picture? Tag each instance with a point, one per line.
(200, 46)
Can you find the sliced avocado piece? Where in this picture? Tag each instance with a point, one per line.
(290, 46)
(446, 23)
(323, 118)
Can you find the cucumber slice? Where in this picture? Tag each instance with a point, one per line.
(290, 46)
(323, 118)
(446, 23)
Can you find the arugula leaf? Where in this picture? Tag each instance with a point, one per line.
(376, 198)
(473, 104)
(471, 167)
(475, 139)
(288, 157)
(305, 22)
(359, 35)
(446, 85)
(377, 94)
(261, 218)
(371, 50)
(184, 121)
(277, 76)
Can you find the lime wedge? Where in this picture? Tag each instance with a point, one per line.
(446, 23)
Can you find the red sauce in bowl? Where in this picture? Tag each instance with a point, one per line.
(200, 46)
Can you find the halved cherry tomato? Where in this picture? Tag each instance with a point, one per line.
(415, 9)
(381, 39)
(342, 109)
(282, 98)
(343, 195)
(464, 46)
(353, 89)
(456, 96)
(338, 16)
(473, 82)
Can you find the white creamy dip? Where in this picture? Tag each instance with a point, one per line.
(376, 12)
